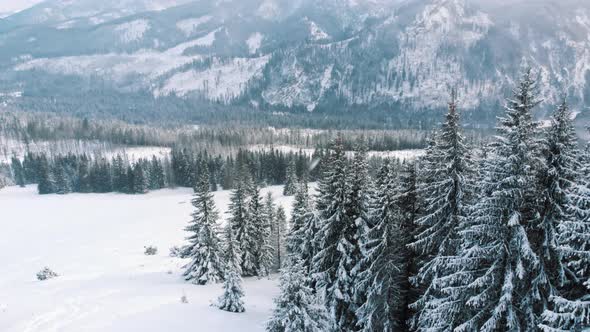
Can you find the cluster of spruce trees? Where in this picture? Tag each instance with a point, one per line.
(86, 174)
(464, 239)
(253, 242)
(270, 167)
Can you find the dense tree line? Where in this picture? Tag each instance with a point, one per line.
(90, 174)
(34, 127)
(464, 239)
(94, 173)
(271, 167)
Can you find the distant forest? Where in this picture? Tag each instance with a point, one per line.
(96, 98)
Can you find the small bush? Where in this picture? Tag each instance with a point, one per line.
(46, 274)
(150, 250)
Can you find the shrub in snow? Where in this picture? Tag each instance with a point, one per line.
(151, 250)
(231, 299)
(183, 299)
(46, 273)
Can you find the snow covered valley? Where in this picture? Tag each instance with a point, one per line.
(95, 242)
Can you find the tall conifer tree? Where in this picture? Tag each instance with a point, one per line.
(291, 182)
(494, 286)
(567, 217)
(336, 241)
(231, 299)
(205, 251)
(244, 229)
(444, 194)
(279, 237)
(381, 272)
(44, 175)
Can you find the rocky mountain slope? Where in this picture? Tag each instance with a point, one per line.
(305, 55)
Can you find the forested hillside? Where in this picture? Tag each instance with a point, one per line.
(379, 64)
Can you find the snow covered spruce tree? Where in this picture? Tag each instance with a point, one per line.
(296, 308)
(61, 184)
(291, 181)
(46, 183)
(204, 247)
(360, 193)
(268, 254)
(381, 273)
(567, 214)
(269, 209)
(301, 241)
(444, 192)
(231, 299)
(360, 197)
(382, 174)
(495, 283)
(261, 234)
(140, 178)
(409, 205)
(243, 228)
(339, 247)
(300, 208)
(157, 178)
(556, 178)
(279, 237)
(18, 171)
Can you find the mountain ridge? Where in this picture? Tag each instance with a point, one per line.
(305, 56)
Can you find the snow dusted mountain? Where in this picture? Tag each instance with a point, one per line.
(305, 54)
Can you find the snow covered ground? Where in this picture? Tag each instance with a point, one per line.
(10, 147)
(134, 153)
(96, 243)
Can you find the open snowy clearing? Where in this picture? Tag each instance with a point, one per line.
(10, 147)
(96, 243)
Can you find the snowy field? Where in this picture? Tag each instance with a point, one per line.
(96, 243)
(10, 147)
